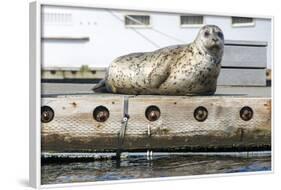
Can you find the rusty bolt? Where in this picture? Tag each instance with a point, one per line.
(53, 72)
(200, 113)
(152, 113)
(47, 114)
(101, 114)
(73, 72)
(246, 113)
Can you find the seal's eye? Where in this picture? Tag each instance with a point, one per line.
(220, 34)
(206, 34)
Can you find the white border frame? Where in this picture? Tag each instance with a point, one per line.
(35, 92)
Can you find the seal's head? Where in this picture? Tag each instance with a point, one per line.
(210, 38)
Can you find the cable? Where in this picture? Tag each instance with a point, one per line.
(155, 30)
(139, 33)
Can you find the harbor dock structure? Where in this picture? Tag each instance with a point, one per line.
(112, 122)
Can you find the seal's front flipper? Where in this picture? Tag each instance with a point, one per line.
(100, 87)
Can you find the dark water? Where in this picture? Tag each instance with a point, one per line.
(161, 166)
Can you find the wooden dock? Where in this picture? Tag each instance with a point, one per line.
(110, 122)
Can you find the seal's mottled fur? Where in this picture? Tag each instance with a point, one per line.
(190, 69)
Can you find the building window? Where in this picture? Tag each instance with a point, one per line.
(57, 18)
(191, 21)
(242, 21)
(137, 20)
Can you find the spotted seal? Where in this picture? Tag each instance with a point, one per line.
(190, 69)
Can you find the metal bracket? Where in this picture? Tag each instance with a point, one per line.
(124, 123)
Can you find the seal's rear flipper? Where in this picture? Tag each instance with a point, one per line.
(100, 87)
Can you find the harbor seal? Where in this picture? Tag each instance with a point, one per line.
(190, 69)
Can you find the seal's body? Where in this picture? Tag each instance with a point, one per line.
(190, 69)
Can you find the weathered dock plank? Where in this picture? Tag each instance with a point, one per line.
(64, 73)
(74, 127)
(54, 89)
